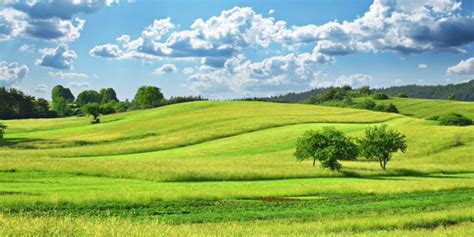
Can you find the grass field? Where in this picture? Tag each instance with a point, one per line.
(226, 168)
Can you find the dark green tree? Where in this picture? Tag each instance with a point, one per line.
(62, 99)
(380, 96)
(92, 109)
(108, 95)
(87, 97)
(380, 142)
(148, 97)
(59, 92)
(327, 146)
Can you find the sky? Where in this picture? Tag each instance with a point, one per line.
(232, 49)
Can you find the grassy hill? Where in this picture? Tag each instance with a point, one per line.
(227, 168)
(426, 108)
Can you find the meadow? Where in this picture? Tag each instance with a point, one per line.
(227, 168)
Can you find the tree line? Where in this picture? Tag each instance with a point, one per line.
(15, 104)
(461, 91)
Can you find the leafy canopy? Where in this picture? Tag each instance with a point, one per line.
(380, 142)
(88, 96)
(148, 97)
(327, 146)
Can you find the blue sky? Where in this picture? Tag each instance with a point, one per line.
(228, 49)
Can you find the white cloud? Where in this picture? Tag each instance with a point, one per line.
(68, 75)
(46, 20)
(355, 81)
(271, 11)
(188, 70)
(79, 85)
(27, 48)
(167, 68)
(422, 66)
(12, 73)
(41, 88)
(106, 51)
(465, 67)
(59, 58)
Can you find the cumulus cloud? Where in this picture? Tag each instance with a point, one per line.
(68, 75)
(465, 67)
(41, 88)
(106, 51)
(271, 11)
(12, 73)
(220, 43)
(422, 66)
(188, 70)
(47, 20)
(167, 68)
(59, 58)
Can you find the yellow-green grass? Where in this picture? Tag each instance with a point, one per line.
(223, 151)
(427, 108)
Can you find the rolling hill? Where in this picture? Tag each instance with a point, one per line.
(213, 167)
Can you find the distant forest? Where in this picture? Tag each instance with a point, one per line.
(463, 91)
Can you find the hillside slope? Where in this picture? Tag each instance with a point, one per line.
(208, 165)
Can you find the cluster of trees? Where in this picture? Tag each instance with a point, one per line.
(343, 97)
(105, 101)
(330, 145)
(14, 104)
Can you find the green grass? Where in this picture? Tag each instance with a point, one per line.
(427, 108)
(190, 168)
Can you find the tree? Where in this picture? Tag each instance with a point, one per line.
(380, 142)
(451, 97)
(87, 97)
(454, 119)
(92, 109)
(327, 146)
(148, 97)
(59, 92)
(2, 131)
(108, 95)
(62, 98)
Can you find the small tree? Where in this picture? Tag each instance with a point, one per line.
(2, 131)
(380, 96)
(327, 146)
(380, 142)
(92, 109)
(88, 96)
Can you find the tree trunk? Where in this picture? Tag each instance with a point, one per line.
(383, 163)
(314, 162)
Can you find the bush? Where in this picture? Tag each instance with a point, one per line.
(92, 109)
(2, 131)
(366, 104)
(402, 95)
(380, 96)
(391, 108)
(454, 119)
(327, 146)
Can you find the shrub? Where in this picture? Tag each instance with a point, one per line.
(380, 96)
(380, 142)
(366, 104)
(402, 95)
(454, 119)
(327, 146)
(2, 131)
